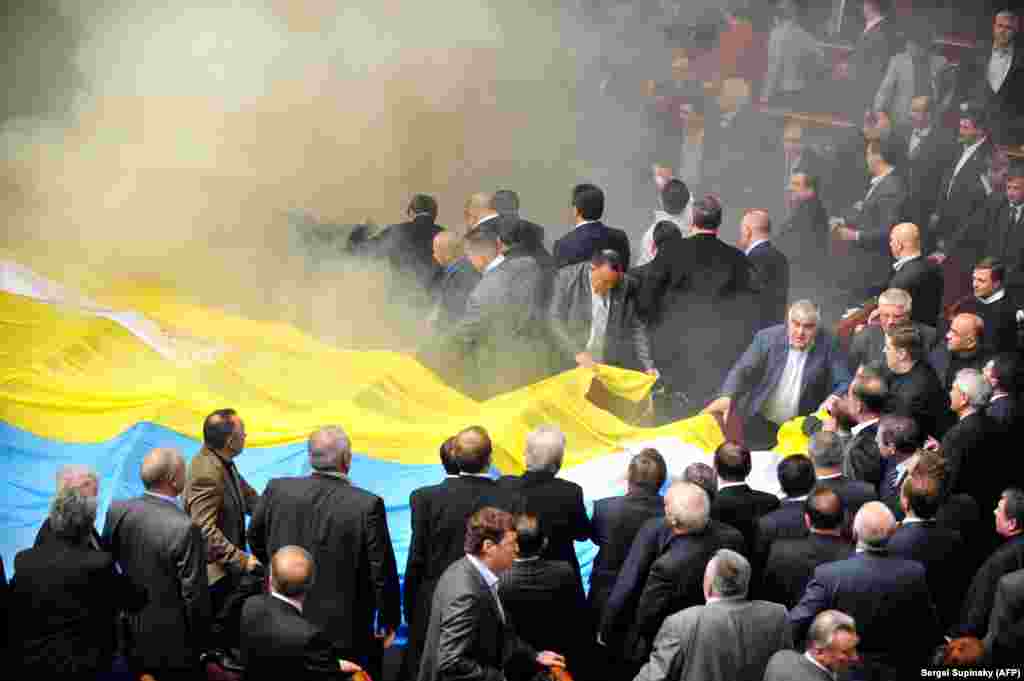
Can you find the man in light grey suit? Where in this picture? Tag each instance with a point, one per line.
(470, 637)
(916, 71)
(831, 649)
(730, 638)
(499, 336)
(795, 59)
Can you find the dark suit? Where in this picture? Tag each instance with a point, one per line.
(772, 271)
(1005, 637)
(570, 313)
(947, 364)
(861, 458)
(408, 247)
(278, 642)
(1003, 236)
(960, 197)
(941, 551)
(46, 534)
(585, 240)
(698, 294)
(791, 562)
(345, 529)
(785, 522)
(868, 345)
(451, 291)
(1004, 107)
(1000, 319)
(558, 505)
(888, 598)
(982, 593)
(62, 614)
(924, 170)
(881, 208)
(891, 486)
(1003, 412)
(156, 544)
(853, 493)
(804, 238)
(467, 638)
(965, 447)
(616, 522)
(868, 63)
(923, 280)
(919, 393)
(741, 507)
(789, 665)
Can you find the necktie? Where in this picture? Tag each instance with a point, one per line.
(494, 592)
(1016, 213)
(893, 478)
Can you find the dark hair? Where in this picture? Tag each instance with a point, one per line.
(1014, 505)
(922, 494)
(675, 196)
(707, 213)
(447, 453)
(472, 457)
(510, 229)
(664, 232)
(424, 203)
(486, 523)
(1016, 169)
(907, 337)
(994, 264)
(531, 535)
(825, 508)
(732, 461)
(901, 432)
(588, 199)
(796, 475)
(704, 476)
(218, 427)
(506, 202)
(610, 258)
(872, 393)
(1005, 367)
(647, 470)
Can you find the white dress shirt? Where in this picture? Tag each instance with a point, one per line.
(994, 298)
(964, 157)
(490, 579)
(494, 263)
(600, 307)
(999, 66)
(784, 402)
(898, 265)
(918, 136)
(290, 601)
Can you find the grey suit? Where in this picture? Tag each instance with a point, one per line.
(795, 60)
(728, 640)
(868, 345)
(570, 318)
(789, 665)
(881, 208)
(898, 88)
(467, 639)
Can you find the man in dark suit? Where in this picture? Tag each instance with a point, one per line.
(356, 598)
(993, 75)
(931, 149)
(868, 397)
(796, 478)
(1001, 374)
(85, 480)
(593, 316)
(870, 57)
(590, 235)
(895, 306)
(831, 650)
(887, 596)
(939, 549)
(914, 388)
(534, 588)
(1007, 558)
(826, 451)
(440, 527)
(736, 503)
(788, 370)
(791, 560)
(407, 248)
(1001, 221)
(1005, 636)
(617, 520)
(698, 298)
(470, 635)
(557, 503)
(996, 305)
(65, 598)
(531, 236)
(278, 641)
(804, 238)
(915, 274)
(456, 281)
(965, 348)
(156, 544)
(770, 266)
(899, 439)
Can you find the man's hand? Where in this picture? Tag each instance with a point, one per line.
(653, 372)
(349, 667)
(845, 233)
(829, 425)
(585, 360)
(720, 406)
(387, 637)
(550, 659)
(829, 403)
(931, 444)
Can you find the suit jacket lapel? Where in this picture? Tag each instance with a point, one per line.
(815, 359)
(778, 354)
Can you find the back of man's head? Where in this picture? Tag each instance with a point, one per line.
(447, 454)
(687, 508)
(675, 196)
(872, 393)
(873, 525)
(588, 199)
(902, 433)
(732, 462)
(506, 202)
(423, 204)
(826, 450)
(702, 475)
(707, 213)
(292, 572)
(796, 475)
(161, 466)
(727, 575)
(473, 450)
(545, 448)
(647, 471)
(825, 508)
(664, 232)
(330, 450)
(921, 495)
(73, 514)
(531, 536)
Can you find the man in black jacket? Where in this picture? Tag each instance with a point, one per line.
(826, 451)
(915, 274)
(914, 388)
(1001, 223)
(998, 306)
(899, 439)
(868, 398)
(968, 445)
(456, 280)
(931, 148)
(590, 235)
(895, 306)
(156, 544)
(85, 480)
(993, 75)
(355, 599)
(407, 248)
(771, 267)
(531, 235)
(1001, 374)
(797, 479)
(736, 503)
(965, 348)
(278, 641)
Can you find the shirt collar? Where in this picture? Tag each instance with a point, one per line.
(586, 222)
(971, 149)
(898, 265)
(921, 132)
(483, 220)
(338, 475)
(290, 601)
(490, 579)
(861, 426)
(1003, 51)
(874, 22)
(876, 180)
(723, 599)
(164, 497)
(994, 298)
(494, 263)
(723, 485)
(910, 519)
(755, 245)
(804, 497)
(475, 475)
(830, 477)
(528, 559)
(819, 665)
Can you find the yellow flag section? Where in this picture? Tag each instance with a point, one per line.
(74, 375)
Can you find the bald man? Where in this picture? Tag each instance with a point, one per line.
(457, 280)
(277, 640)
(159, 547)
(887, 596)
(915, 274)
(964, 348)
(480, 211)
(770, 265)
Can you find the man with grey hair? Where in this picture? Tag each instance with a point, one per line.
(278, 641)
(84, 479)
(887, 596)
(557, 503)
(790, 369)
(964, 445)
(895, 306)
(826, 452)
(831, 650)
(345, 530)
(730, 637)
(991, 76)
(157, 545)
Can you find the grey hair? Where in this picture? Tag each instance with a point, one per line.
(687, 507)
(805, 309)
(873, 525)
(975, 388)
(545, 448)
(826, 449)
(824, 627)
(329, 448)
(72, 514)
(159, 465)
(1007, 13)
(293, 589)
(730, 574)
(74, 474)
(897, 296)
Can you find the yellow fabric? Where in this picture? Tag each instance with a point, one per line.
(68, 376)
(791, 435)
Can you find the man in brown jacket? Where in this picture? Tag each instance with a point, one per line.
(218, 499)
